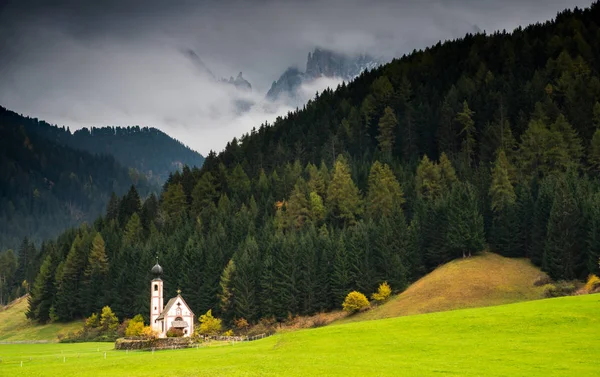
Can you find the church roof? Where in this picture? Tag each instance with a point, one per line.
(170, 305)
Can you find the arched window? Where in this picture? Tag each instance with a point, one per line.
(178, 312)
(155, 287)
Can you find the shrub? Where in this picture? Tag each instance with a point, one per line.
(592, 284)
(241, 325)
(174, 333)
(228, 333)
(383, 293)
(355, 301)
(320, 319)
(542, 280)
(209, 325)
(562, 288)
(147, 332)
(134, 328)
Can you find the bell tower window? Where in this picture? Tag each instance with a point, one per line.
(155, 287)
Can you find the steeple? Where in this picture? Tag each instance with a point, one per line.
(156, 297)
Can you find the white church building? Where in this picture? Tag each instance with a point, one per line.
(176, 314)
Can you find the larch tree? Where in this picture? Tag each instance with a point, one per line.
(428, 179)
(385, 193)
(343, 197)
(502, 192)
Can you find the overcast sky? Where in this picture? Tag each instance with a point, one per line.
(81, 63)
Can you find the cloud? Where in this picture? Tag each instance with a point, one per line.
(82, 63)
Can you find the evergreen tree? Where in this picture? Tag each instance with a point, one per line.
(467, 128)
(501, 191)
(594, 154)
(385, 194)
(465, 232)
(343, 197)
(447, 172)
(428, 179)
(42, 294)
(593, 235)
(95, 275)
(541, 212)
(561, 259)
(386, 137)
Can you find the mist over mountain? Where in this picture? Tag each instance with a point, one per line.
(320, 64)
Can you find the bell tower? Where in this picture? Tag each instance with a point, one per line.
(156, 297)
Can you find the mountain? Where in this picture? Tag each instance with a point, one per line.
(488, 141)
(47, 186)
(148, 150)
(320, 63)
(239, 82)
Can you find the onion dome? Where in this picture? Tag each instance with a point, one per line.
(157, 270)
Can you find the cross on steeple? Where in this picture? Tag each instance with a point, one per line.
(178, 291)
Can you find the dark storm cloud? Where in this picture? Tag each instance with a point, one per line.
(83, 63)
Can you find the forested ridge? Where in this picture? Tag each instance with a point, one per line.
(486, 140)
(46, 188)
(144, 150)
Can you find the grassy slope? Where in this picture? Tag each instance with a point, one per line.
(553, 337)
(484, 280)
(14, 326)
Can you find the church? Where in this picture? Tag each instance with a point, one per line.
(176, 314)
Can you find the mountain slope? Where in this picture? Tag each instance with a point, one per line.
(148, 150)
(46, 187)
(483, 280)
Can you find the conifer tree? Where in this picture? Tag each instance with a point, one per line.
(133, 234)
(563, 236)
(244, 281)
(129, 205)
(225, 285)
(428, 179)
(204, 193)
(68, 294)
(541, 213)
(387, 128)
(341, 278)
(501, 190)
(42, 294)
(593, 235)
(465, 233)
(174, 204)
(385, 194)
(95, 273)
(343, 197)
(447, 172)
(467, 128)
(594, 154)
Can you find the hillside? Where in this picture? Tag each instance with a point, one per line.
(14, 326)
(553, 337)
(483, 280)
(47, 187)
(148, 150)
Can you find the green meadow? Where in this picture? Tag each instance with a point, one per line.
(552, 337)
